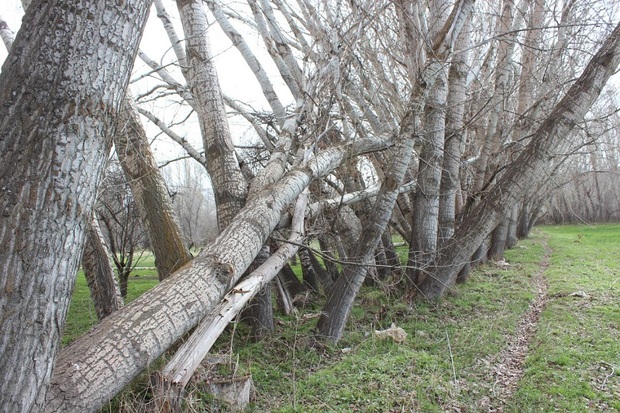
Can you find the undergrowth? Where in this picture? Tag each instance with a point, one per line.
(446, 362)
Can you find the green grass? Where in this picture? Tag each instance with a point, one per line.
(446, 362)
(294, 373)
(574, 365)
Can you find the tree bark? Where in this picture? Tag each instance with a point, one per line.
(511, 235)
(507, 29)
(309, 275)
(291, 282)
(61, 87)
(524, 220)
(338, 307)
(149, 193)
(96, 366)
(177, 373)
(498, 240)
(455, 137)
(425, 226)
(6, 34)
(259, 312)
(527, 167)
(229, 185)
(99, 273)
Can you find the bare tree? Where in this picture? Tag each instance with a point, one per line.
(122, 227)
(337, 309)
(93, 368)
(358, 76)
(192, 202)
(149, 193)
(570, 111)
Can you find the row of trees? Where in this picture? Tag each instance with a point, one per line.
(446, 122)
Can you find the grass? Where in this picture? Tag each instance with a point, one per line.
(363, 373)
(447, 361)
(574, 365)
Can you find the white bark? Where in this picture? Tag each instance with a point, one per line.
(261, 76)
(176, 43)
(60, 89)
(6, 34)
(191, 151)
(96, 366)
(337, 309)
(518, 178)
(229, 185)
(273, 50)
(180, 368)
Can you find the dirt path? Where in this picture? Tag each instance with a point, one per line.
(508, 368)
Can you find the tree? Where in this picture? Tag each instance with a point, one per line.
(516, 181)
(355, 87)
(96, 263)
(123, 229)
(61, 87)
(93, 368)
(337, 309)
(100, 277)
(149, 193)
(193, 201)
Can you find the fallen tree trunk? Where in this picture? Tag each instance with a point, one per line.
(179, 370)
(95, 367)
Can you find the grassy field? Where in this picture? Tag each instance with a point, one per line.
(453, 352)
(574, 364)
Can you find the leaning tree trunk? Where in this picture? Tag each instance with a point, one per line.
(526, 168)
(61, 87)
(507, 29)
(338, 307)
(455, 138)
(149, 192)
(228, 182)
(230, 187)
(96, 366)
(498, 240)
(97, 266)
(511, 235)
(523, 228)
(425, 224)
(259, 313)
